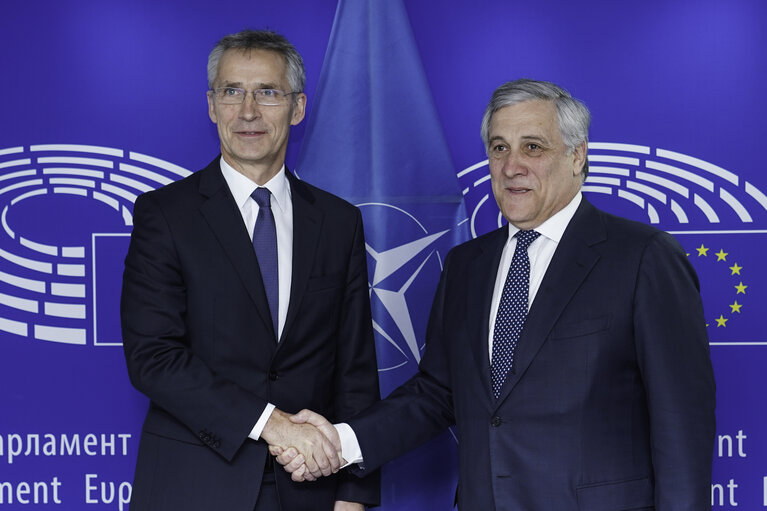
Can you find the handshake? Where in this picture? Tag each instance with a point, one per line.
(305, 444)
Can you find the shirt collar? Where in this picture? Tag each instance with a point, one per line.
(554, 227)
(242, 187)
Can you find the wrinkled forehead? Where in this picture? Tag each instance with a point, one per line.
(534, 116)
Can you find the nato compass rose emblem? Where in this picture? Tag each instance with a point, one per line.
(719, 217)
(403, 268)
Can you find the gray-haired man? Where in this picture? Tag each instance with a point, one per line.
(569, 347)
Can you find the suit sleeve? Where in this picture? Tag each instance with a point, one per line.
(419, 409)
(160, 362)
(674, 361)
(356, 371)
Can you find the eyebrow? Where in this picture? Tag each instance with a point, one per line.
(535, 138)
(240, 85)
(525, 138)
(495, 139)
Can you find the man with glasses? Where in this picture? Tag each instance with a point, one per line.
(245, 299)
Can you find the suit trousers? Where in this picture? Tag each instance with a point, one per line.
(267, 497)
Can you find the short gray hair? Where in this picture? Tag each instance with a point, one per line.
(573, 116)
(260, 40)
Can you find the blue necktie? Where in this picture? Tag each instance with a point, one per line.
(265, 245)
(512, 310)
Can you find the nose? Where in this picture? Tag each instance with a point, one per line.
(513, 165)
(249, 109)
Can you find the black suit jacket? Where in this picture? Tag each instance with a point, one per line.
(200, 343)
(611, 403)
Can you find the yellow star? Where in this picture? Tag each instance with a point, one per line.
(736, 269)
(736, 307)
(721, 321)
(721, 255)
(741, 288)
(702, 251)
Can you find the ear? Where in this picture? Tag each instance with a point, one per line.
(211, 108)
(299, 109)
(579, 158)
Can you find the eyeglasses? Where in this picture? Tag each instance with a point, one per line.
(236, 96)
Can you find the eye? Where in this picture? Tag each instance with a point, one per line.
(533, 147)
(499, 148)
(231, 91)
(269, 93)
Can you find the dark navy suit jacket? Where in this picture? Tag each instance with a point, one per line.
(611, 403)
(200, 343)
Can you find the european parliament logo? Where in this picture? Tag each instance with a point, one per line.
(718, 218)
(65, 222)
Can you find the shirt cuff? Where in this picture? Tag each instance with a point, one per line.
(350, 446)
(255, 433)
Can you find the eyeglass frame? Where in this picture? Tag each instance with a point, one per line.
(254, 93)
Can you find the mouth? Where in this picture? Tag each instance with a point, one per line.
(516, 190)
(250, 133)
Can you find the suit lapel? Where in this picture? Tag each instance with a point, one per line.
(481, 275)
(572, 262)
(225, 220)
(307, 223)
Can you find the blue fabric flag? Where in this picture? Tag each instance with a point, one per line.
(374, 138)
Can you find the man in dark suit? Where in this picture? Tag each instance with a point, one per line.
(569, 346)
(245, 298)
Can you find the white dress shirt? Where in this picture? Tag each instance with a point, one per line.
(540, 253)
(282, 210)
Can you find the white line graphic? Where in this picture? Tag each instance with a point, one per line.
(47, 288)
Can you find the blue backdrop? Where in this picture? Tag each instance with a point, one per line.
(105, 100)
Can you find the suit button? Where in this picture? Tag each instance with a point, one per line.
(272, 375)
(496, 421)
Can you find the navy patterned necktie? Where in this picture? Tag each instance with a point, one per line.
(512, 311)
(265, 245)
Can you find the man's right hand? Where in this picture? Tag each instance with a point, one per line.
(291, 458)
(303, 444)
